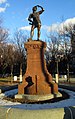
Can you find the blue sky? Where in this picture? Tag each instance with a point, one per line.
(15, 13)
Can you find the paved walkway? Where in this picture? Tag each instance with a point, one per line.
(59, 113)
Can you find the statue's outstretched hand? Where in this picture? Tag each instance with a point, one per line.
(38, 6)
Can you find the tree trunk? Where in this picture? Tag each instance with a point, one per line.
(21, 72)
(57, 69)
(68, 77)
(57, 72)
(11, 73)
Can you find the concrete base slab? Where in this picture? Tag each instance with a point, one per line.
(11, 113)
(37, 97)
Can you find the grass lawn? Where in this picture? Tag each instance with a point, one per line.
(7, 79)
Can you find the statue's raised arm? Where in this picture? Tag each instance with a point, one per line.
(42, 9)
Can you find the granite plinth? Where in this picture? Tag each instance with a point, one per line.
(37, 80)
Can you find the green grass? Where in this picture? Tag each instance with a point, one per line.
(7, 79)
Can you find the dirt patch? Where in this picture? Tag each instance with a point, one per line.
(64, 96)
(8, 83)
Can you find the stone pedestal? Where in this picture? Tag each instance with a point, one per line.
(37, 80)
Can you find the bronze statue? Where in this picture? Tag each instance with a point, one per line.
(35, 20)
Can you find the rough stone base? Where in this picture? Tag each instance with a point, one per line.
(37, 80)
(37, 97)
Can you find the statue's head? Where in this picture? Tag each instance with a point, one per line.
(34, 8)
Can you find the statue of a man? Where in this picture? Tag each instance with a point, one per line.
(35, 21)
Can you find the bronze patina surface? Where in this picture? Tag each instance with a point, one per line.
(35, 21)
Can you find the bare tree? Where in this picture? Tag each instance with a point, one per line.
(67, 35)
(9, 56)
(60, 45)
(55, 49)
(19, 39)
(3, 37)
(3, 32)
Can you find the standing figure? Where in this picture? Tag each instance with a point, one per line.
(35, 21)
